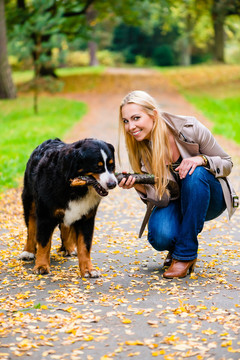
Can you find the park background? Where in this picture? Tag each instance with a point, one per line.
(59, 47)
(64, 66)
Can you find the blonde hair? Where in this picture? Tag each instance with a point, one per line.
(156, 155)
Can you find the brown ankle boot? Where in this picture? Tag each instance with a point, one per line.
(180, 269)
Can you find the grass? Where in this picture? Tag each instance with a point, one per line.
(215, 91)
(21, 131)
(223, 112)
(23, 76)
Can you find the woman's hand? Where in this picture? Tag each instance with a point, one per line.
(127, 183)
(187, 164)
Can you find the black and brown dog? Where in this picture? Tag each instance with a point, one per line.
(49, 200)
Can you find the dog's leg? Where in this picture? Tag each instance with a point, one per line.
(45, 229)
(30, 246)
(42, 265)
(68, 237)
(84, 231)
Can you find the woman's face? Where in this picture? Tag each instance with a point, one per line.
(137, 122)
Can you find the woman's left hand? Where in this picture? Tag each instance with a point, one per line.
(189, 164)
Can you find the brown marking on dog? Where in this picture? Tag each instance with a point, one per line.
(68, 237)
(84, 260)
(59, 213)
(100, 163)
(110, 161)
(30, 245)
(42, 264)
(96, 176)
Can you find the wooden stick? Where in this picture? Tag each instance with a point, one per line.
(140, 179)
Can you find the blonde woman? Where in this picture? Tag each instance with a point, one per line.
(191, 172)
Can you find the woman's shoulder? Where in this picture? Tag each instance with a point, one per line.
(178, 121)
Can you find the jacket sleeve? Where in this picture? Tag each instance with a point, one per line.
(152, 197)
(220, 163)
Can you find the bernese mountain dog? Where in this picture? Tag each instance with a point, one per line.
(49, 199)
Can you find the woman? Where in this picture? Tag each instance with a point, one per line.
(190, 171)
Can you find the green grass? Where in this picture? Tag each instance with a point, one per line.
(23, 76)
(21, 131)
(223, 112)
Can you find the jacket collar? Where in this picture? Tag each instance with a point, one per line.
(177, 122)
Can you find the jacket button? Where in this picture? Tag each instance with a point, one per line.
(218, 170)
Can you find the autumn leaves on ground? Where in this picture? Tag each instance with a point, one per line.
(131, 311)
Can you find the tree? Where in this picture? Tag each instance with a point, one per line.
(7, 88)
(220, 10)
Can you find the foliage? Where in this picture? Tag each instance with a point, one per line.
(21, 131)
(133, 41)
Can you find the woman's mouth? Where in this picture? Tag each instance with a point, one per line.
(135, 133)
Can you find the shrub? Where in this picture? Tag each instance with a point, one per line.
(163, 55)
(77, 58)
(108, 58)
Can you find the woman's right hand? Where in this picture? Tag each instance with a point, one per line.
(127, 183)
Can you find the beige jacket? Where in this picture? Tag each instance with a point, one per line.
(192, 139)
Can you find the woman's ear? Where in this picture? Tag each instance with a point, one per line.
(155, 114)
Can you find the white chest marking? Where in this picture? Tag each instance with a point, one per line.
(78, 208)
(106, 176)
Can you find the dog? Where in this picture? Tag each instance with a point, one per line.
(49, 199)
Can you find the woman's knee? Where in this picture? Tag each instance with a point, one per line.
(196, 179)
(162, 229)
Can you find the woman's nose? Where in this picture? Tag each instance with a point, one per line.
(131, 125)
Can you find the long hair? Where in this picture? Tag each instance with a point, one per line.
(156, 153)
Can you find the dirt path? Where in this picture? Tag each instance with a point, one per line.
(131, 311)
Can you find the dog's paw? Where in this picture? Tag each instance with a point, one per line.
(70, 253)
(25, 255)
(92, 274)
(67, 253)
(41, 269)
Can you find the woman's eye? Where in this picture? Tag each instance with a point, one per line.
(136, 118)
(125, 121)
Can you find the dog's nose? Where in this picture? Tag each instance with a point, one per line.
(111, 184)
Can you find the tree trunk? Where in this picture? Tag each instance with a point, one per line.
(186, 51)
(219, 39)
(91, 15)
(92, 47)
(7, 88)
(219, 13)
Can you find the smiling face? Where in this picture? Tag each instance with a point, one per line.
(137, 122)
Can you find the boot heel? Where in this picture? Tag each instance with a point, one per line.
(192, 267)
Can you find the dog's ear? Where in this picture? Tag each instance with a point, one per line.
(111, 147)
(71, 163)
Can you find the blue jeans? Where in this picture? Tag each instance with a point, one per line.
(175, 227)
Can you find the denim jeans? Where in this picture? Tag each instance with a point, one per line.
(175, 227)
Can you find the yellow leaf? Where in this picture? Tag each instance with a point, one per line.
(126, 321)
(159, 352)
(134, 342)
(230, 349)
(88, 338)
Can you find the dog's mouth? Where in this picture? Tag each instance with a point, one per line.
(99, 189)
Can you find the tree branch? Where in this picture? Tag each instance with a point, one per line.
(83, 11)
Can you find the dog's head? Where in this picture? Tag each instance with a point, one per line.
(96, 159)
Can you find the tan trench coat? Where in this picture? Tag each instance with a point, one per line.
(192, 139)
